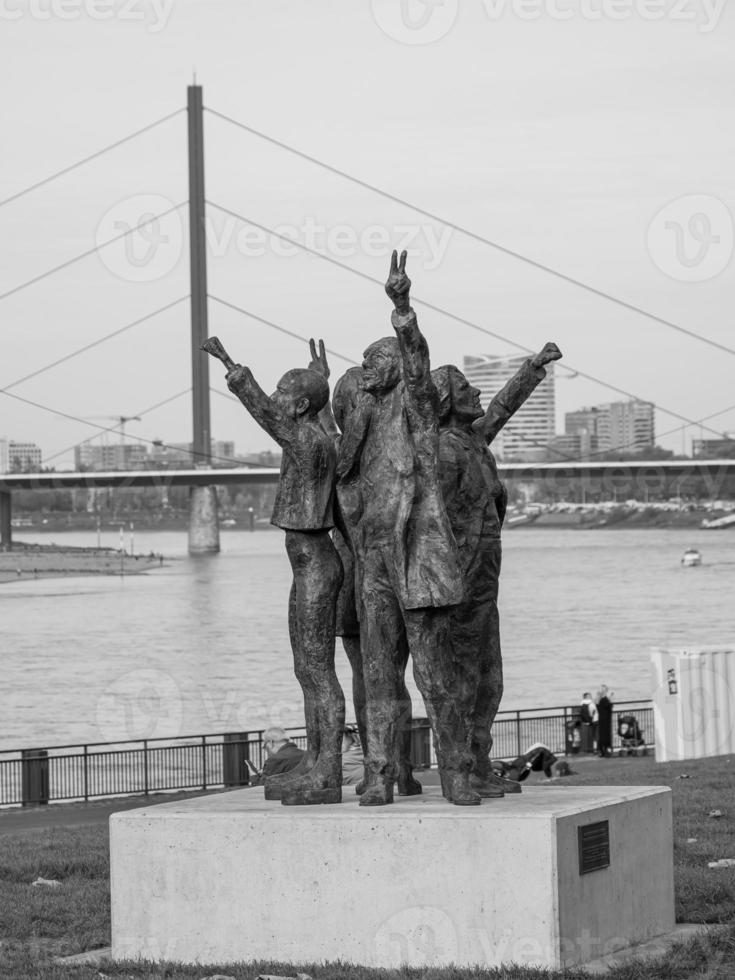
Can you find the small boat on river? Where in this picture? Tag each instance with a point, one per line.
(691, 557)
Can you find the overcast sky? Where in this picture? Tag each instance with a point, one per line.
(591, 136)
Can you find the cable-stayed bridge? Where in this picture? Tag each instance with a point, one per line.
(621, 479)
(203, 477)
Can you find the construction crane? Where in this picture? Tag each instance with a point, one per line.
(121, 421)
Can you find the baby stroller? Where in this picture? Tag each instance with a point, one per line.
(631, 737)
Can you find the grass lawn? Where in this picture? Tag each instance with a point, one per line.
(38, 924)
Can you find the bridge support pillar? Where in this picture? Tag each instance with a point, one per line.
(203, 521)
(6, 536)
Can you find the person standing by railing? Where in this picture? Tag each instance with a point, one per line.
(604, 722)
(589, 717)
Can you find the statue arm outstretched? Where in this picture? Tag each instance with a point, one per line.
(510, 398)
(414, 349)
(241, 382)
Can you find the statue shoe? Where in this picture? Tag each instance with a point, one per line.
(494, 785)
(275, 785)
(457, 789)
(376, 794)
(313, 788)
(407, 785)
(487, 790)
(310, 796)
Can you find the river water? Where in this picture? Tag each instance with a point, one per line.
(201, 645)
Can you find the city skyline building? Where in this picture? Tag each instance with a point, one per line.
(19, 457)
(160, 455)
(723, 448)
(532, 429)
(613, 427)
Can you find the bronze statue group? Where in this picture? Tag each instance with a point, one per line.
(392, 508)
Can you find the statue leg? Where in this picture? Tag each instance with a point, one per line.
(489, 689)
(274, 784)
(407, 785)
(348, 627)
(429, 641)
(351, 646)
(317, 577)
(381, 625)
(489, 673)
(304, 678)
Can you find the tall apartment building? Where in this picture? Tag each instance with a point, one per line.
(584, 423)
(19, 457)
(529, 432)
(615, 427)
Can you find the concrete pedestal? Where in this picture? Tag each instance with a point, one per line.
(203, 521)
(233, 877)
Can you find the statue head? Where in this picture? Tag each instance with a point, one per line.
(458, 399)
(345, 395)
(381, 365)
(301, 392)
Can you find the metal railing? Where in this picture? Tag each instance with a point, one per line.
(84, 772)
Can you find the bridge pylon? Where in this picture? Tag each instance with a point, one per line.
(203, 520)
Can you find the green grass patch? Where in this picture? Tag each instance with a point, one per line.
(37, 924)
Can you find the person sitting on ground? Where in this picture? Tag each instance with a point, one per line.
(537, 758)
(353, 761)
(283, 755)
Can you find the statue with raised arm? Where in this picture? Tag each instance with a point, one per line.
(476, 500)
(304, 509)
(409, 573)
(352, 410)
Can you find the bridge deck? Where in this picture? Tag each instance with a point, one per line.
(648, 470)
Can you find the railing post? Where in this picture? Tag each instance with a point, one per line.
(6, 509)
(518, 732)
(86, 774)
(204, 761)
(145, 766)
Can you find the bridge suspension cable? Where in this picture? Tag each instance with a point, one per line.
(94, 343)
(602, 294)
(552, 449)
(454, 316)
(91, 251)
(275, 326)
(114, 428)
(92, 156)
